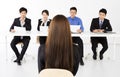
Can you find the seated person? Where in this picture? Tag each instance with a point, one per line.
(43, 22)
(22, 21)
(73, 20)
(59, 51)
(100, 24)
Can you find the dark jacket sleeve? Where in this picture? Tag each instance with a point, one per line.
(92, 27)
(49, 22)
(76, 59)
(39, 22)
(12, 27)
(28, 25)
(41, 58)
(108, 26)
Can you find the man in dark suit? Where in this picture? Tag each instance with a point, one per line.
(43, 22)
(22, 21)
(100, 24)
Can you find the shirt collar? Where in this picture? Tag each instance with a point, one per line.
(46, 21)
(101, 20)
(73, 18)
(24, 19)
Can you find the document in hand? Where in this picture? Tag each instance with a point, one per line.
(19, 29)
(44, 28)
(74, 28)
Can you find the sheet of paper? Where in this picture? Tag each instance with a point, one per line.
(44, 28)
(19, 29)
(74, 28)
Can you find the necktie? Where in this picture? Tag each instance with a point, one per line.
(101, 23)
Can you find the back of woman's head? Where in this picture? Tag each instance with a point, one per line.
(59, 50)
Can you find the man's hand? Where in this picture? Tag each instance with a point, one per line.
(101, 30)
(12, 30)
(79, 31)
(96, 30)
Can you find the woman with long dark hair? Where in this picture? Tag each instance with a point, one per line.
(59, 51)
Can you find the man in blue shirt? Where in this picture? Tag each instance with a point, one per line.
(73, 20)
(76, 21)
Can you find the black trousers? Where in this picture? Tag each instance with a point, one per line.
(78, 40)
(102, 41)
(25, 42)
(42, 39)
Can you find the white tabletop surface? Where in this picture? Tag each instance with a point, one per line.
(84, 34)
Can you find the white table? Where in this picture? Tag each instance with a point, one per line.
(85, 34)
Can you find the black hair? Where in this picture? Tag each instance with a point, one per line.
(103, 11)
(45, 11)
(73, 8)
(22, 9)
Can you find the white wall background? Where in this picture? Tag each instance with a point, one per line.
(87, 9)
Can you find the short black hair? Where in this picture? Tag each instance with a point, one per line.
(73, 8)
(45, 11)
(103, 11)
(22, 9)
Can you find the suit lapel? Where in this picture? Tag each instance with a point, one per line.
(98, 22)
(25, 22)
(19, 22)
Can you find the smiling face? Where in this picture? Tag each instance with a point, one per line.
(73, 13)
(45, 16)
(102, 15)
(23, 14)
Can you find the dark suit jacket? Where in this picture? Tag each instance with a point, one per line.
(41, 58)
(27, 25)
(95, 25)
(40, 21)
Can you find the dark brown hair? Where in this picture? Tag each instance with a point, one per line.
(22, 9)
(73, 8)
(45, 11)
(103, 11)
(59, 48)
